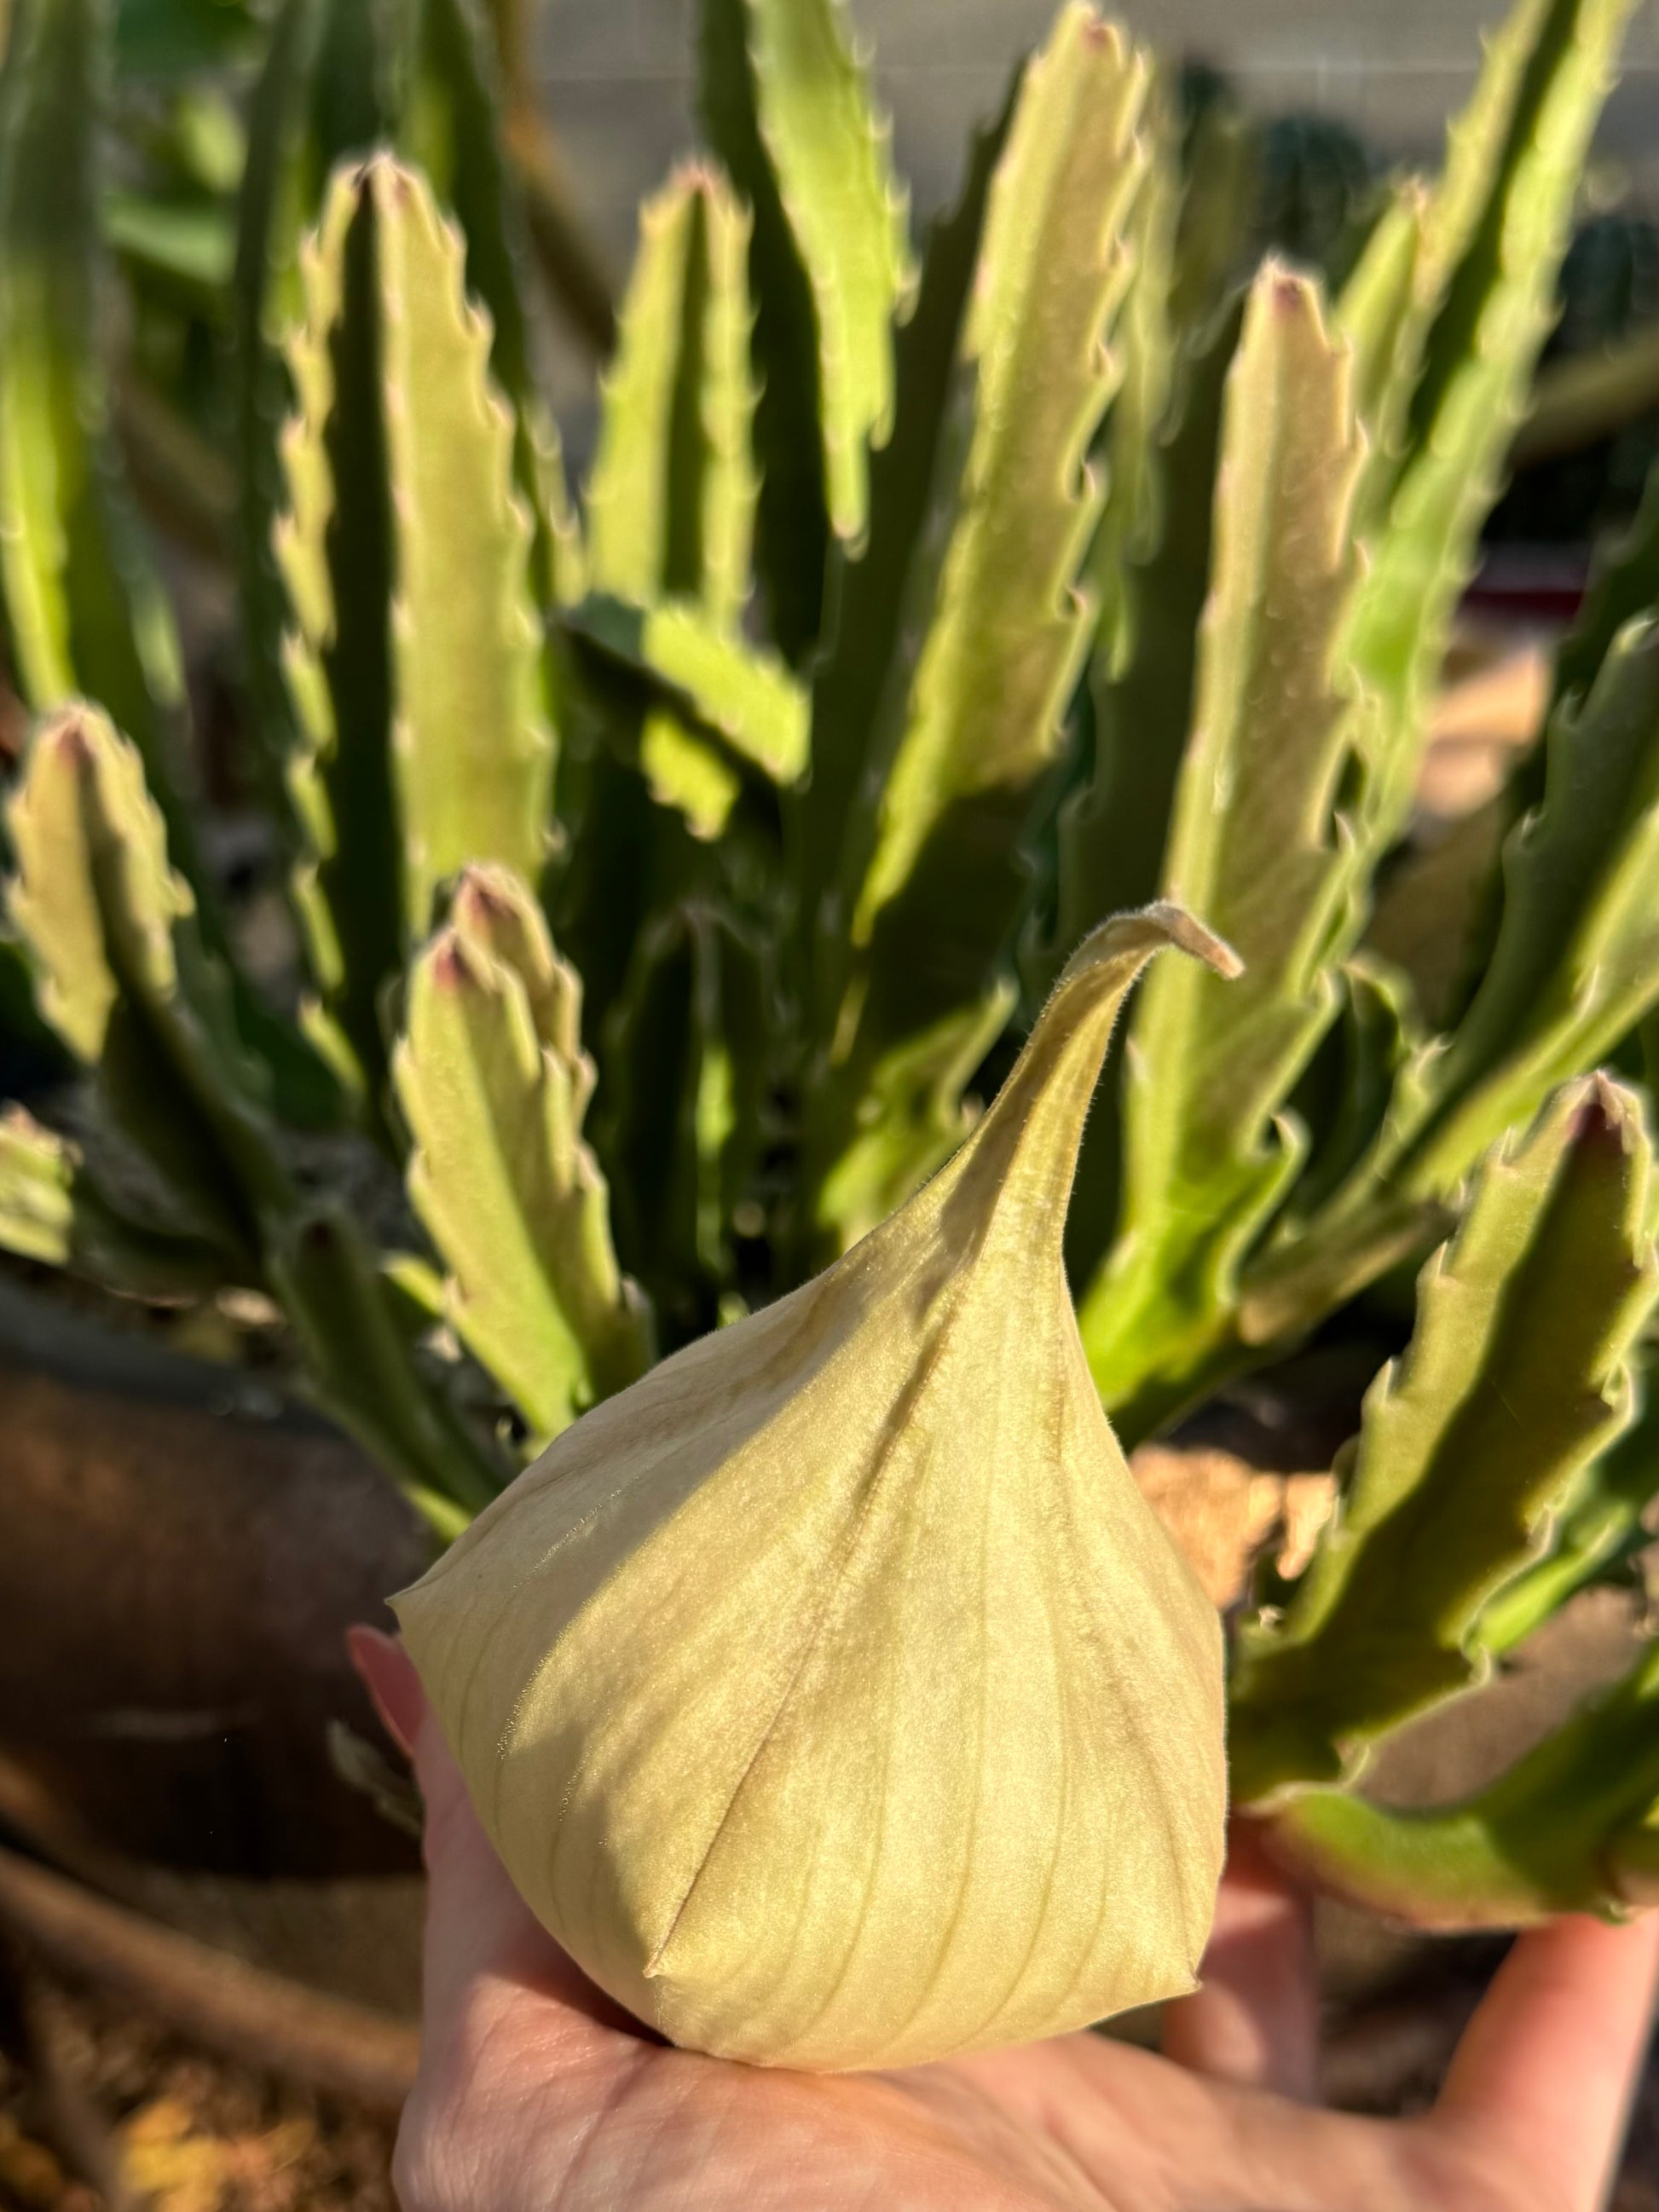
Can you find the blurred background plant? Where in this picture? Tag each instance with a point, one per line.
(467, 939)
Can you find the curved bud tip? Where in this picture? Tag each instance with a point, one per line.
(1149, 929)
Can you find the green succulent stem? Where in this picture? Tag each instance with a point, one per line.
(1517, 1380)
(1569, 1828)
(1266, 859)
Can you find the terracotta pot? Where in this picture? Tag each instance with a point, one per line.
(183, 1550)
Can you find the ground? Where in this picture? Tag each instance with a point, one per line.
(87, 2087)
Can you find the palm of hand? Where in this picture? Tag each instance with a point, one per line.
(536, 2093)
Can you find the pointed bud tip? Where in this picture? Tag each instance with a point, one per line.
(1186, 931)
(1149, 930)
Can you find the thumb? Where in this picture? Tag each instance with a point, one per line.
(478, 1927)
(476, 1923)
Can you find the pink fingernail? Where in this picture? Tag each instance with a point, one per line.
(387, 1673)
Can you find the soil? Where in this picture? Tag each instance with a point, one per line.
(92, 2091)
(95, 2092)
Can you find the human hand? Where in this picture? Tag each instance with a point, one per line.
(537, 2094)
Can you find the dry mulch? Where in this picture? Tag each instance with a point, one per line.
(94, 2091)
(90, 2086)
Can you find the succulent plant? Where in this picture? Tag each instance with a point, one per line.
(676, 870)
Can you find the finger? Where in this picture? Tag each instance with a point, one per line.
(1255, 2019)
(478, 1929)
(387, 1673)
(1548, 2067)
(475, 1922)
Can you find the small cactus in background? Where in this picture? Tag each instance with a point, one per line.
(674, 869)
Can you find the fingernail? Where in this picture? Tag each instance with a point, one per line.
(387, 1673)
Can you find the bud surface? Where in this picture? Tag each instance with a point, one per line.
(832, 1695)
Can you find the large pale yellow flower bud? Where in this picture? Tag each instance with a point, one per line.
(832, 1695)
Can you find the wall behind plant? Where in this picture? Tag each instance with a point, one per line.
(618, 75)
